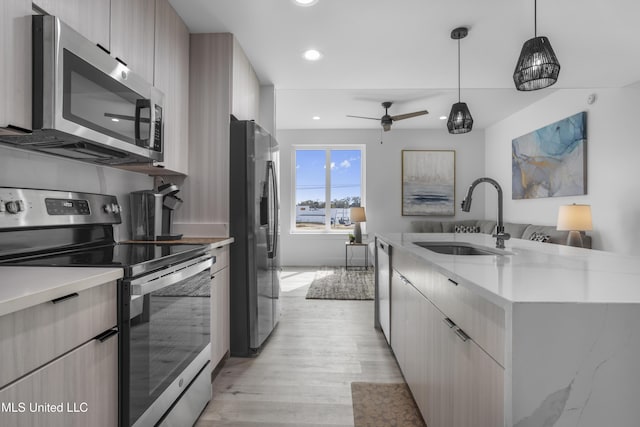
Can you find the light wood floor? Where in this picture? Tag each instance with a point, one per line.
(303, 375)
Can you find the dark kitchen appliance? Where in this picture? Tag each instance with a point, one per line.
(254, 223)
(152, 211)
(163, 299)
(86, 105)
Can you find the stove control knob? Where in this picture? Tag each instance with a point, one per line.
(14, 206)
(115, 208)
(107, 208)
(2, 206)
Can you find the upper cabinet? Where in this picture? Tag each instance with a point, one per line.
(246, 88)
(15, 72)
(132, 34)
(147, 35)
(172, 78)
(170, 74)
(88, 17)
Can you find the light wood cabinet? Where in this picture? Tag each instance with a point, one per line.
(454, 381)
(245, 86)
(63, 354)
(15, 72)
(220, 315)
(91, 18)
(53, 328)
(172, 78)
(478, 317)
(83, 383)
(133, 35)
(170, 65)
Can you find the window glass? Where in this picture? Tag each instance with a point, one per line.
(345, 187)
(310, 189)
(328, 183)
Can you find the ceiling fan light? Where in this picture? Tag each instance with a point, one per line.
(460, 120)
(537, 66)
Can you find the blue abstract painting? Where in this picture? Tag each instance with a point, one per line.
(551, 161)
(428, 182)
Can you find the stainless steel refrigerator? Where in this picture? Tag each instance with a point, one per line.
(254, 223)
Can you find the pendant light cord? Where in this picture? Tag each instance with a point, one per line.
(535, 18)
(458, 70)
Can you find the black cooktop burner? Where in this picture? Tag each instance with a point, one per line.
(135, 258)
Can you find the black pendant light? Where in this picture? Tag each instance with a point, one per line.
(537, 65)
(460, 120)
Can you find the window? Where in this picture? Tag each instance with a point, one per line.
(328, 181)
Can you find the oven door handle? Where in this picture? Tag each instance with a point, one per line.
(163, 278)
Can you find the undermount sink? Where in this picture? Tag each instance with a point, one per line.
(452, 248)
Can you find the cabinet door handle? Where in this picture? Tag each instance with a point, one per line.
(453, 281)
(64, 298)
(460, 333)
(106, 335)
(449, 322)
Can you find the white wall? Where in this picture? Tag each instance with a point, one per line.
(613, 150)
(383, 186)
(31, 170)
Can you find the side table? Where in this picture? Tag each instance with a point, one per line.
(348, 245)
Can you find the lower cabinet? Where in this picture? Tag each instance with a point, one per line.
(60, 362)
(454, 382)
(220, 306)
(78, 389)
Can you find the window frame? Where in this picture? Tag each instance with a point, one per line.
(327, 148)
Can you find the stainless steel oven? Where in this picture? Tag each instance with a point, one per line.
(164, 298)
(167, 342)
(86, 104)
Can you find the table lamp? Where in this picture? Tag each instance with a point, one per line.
(575, 219)
(357, 215)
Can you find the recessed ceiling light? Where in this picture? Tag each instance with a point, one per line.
(312, 55)
(316, 117)
(305, 3)
(443, 117)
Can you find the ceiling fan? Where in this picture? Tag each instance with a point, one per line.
(387, 120)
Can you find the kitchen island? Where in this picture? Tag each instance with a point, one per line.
(539, 335)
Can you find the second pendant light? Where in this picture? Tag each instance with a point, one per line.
(460, 120)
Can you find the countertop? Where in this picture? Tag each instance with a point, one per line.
(24, 287)
(534, 272)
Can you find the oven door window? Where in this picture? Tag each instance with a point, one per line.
(96, 101)
(168, 332)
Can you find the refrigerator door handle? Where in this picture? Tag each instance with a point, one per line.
(275, 209)
(264, 203)
(272, 222)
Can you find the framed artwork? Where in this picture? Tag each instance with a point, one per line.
(551, 161)
(428, 182)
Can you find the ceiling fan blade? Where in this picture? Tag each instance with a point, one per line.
(360, 117)
(386, 127)
(409, 115)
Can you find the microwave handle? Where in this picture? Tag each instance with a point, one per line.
(140, 105)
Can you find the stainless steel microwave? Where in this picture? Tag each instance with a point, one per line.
(86, 104)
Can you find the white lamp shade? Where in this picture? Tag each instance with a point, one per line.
(574, 218)
(357, 215)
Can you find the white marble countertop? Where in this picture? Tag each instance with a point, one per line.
(534, 272)
(24, 287)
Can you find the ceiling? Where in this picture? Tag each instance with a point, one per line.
(401, 51)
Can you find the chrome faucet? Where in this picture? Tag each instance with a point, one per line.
(500, 235)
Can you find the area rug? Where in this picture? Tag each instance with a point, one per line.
(340, 283)
(384, 405)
